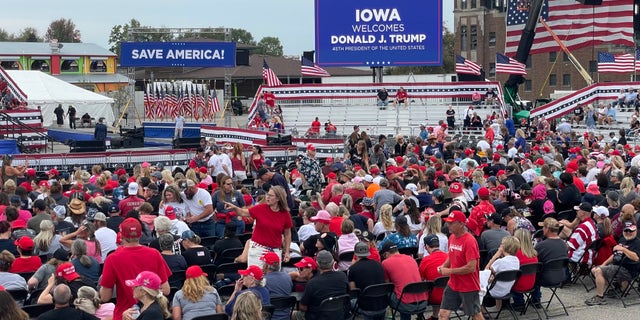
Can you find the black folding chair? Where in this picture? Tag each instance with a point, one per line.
(231, 268)
(334, 308)
(581, 271)
(611, 289)
(373, 300)
(346, 257)
(525, 270)
(35, 310)
(228, 255)
(414, 287)
(208, 242)
(225, 292)
(287, 303)
(245, 237)
(267, 311)
(557, 266)
(33, 297)
(210, 270)
(176, 279)
(291, 263)
(504, 276)
(20, 295)
(26, 275)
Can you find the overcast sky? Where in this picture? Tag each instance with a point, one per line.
(292, 21)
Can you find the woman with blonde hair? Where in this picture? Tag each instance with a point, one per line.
(627, 191)
(247, 307)
(88, 301)
(46, 242)
(167, 177)
(526, 255)
(171, 198)
(238, 163)
(152, 303)
(433, 226)
(191, 175)
(385, 224)
(196, 297)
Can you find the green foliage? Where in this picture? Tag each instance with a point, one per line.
(270, 46)
(4, 35)
(448, 59)
(28, 34)
(242, 36)
(63, 30)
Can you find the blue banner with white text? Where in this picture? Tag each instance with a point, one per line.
(178, 54)
(377, 33)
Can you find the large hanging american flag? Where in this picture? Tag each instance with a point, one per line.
(618, 63)
(308, 68)
(466, 66)
(577, 25)
(269, 76)
(214, 105)
(505, 64)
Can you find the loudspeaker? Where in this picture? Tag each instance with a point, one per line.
(186, 143)
(133, 143)
(279, 140)
(242, 57)
(308, 55)
(88, 146)
(591, 2)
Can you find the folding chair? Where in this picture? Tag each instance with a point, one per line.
(581, 271)
(334, 308)
(553, 266)
(35, 310)
(217, 316)
(210, 270)
(208, 242)
(20, 295)
(504, 276)
(632, 286)
(525, 270)
(414, 287)
(176, 279)
(375, 295)
(229, 255)
(287, 303)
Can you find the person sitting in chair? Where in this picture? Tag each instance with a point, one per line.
(85, 120)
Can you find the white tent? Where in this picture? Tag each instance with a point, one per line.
(47, 92)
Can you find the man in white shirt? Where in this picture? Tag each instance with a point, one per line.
(179, 126)
(105, 236)
(564, 126)
(199, 207)
(219, 163)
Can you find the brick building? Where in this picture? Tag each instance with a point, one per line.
(480, 30)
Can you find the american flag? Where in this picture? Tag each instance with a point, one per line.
(214, 105)
(619, 63)
(577, 25)
(172, 99)
(148, 107)
(308, 68)
(505, 64)
(269, 76)
(637, 59)
(465, 66)
(160, 110)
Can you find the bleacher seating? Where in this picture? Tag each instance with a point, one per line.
(31, 135)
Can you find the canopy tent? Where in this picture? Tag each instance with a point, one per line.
(47, 92)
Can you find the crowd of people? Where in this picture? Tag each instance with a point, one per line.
(419, 208)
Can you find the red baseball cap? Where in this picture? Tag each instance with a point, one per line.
(539, 162)
(496, 157)
(203, 170)
(501, 172)
(307, 262)
(483, 192)
(170, 212)
(67, 271)
(253, 271)
(456, 216)
(270, 258)
(25, 243)
(311, 147)
(120, 172)
(194, 272)
(53, 172)
(43, 183)
(500, 147)
(331, 175)
(131, 228)
(31, 172)
(455, 187)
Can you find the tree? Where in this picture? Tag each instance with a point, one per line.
(120, 33)
(28, 34)
(63, 30)
(270, 46)
(4, 35)
(242, 36)
(448, 59)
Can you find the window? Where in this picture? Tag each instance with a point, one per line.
(463, 38)
(565, 57)
(492, 70)
(566, 80)
(69, 66)
(40, 65)
(463, 4)
(553, 80)
(474, 4)
(492, 39)
(529, 64)
(98, 66)
(528, 85)
(474, 37)
(10, 65)
(553, 56)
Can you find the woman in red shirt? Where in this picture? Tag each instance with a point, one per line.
(526, 255)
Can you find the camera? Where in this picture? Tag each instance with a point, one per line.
(618, 256)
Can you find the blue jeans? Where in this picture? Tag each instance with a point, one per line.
(221, 224)
(404, 309)
(203, 229)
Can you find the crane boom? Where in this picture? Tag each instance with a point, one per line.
(564, 48)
